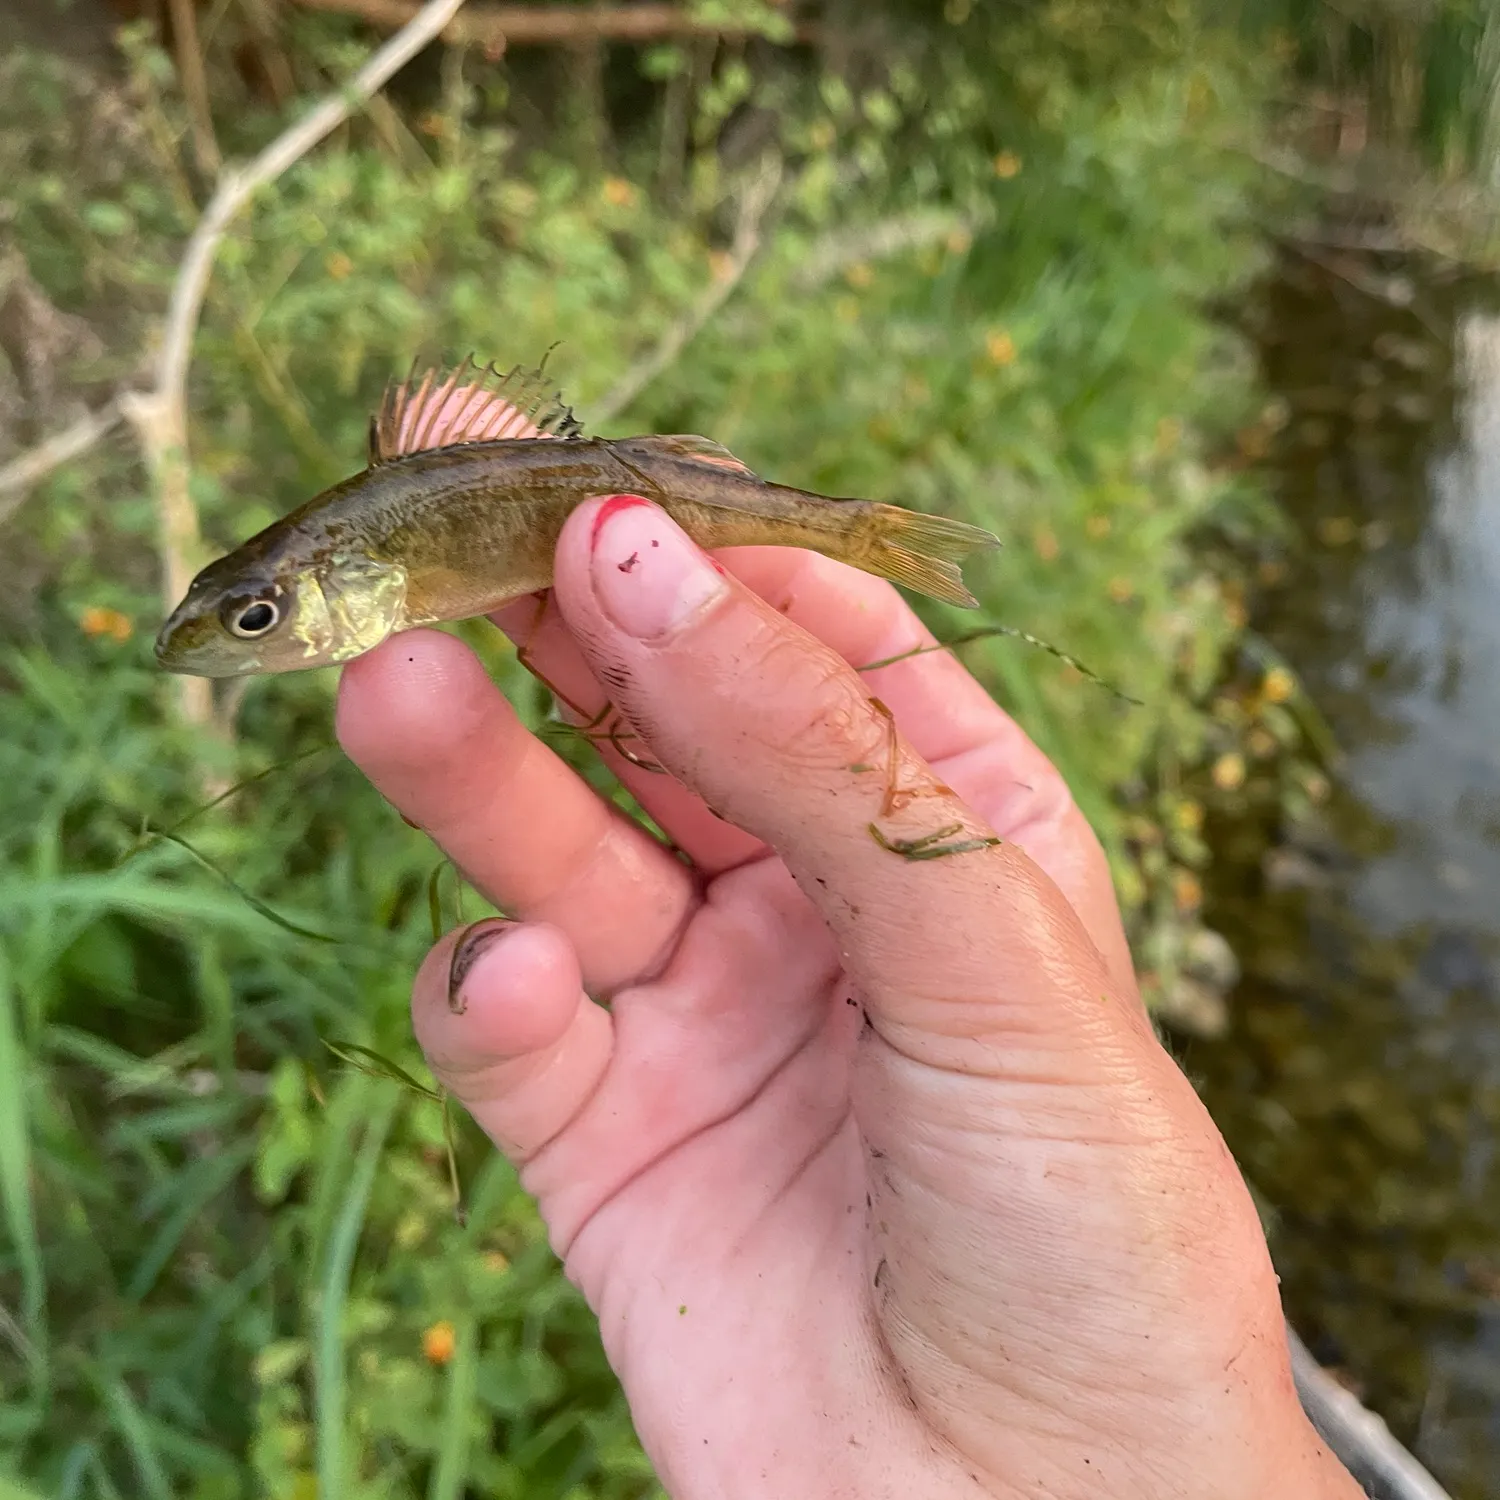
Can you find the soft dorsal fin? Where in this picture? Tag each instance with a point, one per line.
(466, 404)
(690, 445)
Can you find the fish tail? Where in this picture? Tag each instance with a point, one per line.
(921, 552)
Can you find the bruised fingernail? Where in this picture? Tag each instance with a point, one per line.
(477, 940)
(649, 576)
(611, 507)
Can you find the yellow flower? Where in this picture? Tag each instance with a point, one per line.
(439, 1342)
(618, 192)
(1121, 590)
(1007, 164)
(338, 265)
(1000, 347)
(97, 620)
(1229, 772)
(1279, 685)
(1189, 816)
(1317, 786)
(1044, 539)
(860, 274)
(1336, 531)
(1187, 890)
(958, 241)
(1097, 527)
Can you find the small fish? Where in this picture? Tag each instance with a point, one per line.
(471, 475)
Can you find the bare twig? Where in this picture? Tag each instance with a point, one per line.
(495, 27)
(195, 85)
(1361, 1441)
(753, 208)
(20, 474)
(159, 416)
(879, 241)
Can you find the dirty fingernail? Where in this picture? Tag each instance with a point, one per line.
(477, 940)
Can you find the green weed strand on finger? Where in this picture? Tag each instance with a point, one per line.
(931, 845)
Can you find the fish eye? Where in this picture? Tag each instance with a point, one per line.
(249, 621)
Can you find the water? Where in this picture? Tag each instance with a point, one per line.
(1360, 1083)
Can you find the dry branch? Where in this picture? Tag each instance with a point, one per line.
(753, 209)
(20, 474)
(190, 70)
(879, 241)
(159, 415)
(495, 27)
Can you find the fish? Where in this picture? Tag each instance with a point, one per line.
(470, 476)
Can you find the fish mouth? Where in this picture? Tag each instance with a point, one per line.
(202, 659)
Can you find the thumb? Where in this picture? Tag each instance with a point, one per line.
(950, 934)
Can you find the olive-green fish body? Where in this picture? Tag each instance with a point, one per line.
(453, 531)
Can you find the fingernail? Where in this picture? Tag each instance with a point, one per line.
(650, 578)
(477, 940)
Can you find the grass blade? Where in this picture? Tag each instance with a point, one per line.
(373, 1065)
(11, 1489)
(137, 1439)
(15, 1165)
(451, 1470)
(205, 1182)
(329, 1392)
(252, 901)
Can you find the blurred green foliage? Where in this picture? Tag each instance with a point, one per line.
(1426, 77)
(229, 1263)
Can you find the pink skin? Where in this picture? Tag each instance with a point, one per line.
(874, 1171)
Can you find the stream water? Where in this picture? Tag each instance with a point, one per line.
(1359, 1084)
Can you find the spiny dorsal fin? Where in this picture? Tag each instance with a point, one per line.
(690, 445)
(467, 404)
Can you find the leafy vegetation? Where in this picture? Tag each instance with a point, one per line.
(1426, 77)
(230, 1263)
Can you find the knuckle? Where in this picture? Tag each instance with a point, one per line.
(819, 716)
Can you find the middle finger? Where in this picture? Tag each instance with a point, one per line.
(422, 719)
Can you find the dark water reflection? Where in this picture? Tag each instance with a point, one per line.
(1360, 1084)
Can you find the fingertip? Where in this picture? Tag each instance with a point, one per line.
(391, 700)
(528, 1048)
(515, 992)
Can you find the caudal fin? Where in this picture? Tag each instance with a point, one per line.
(924, 552)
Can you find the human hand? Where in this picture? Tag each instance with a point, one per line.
(873, 1170)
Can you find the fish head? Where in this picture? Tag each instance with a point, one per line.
(241, 619)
